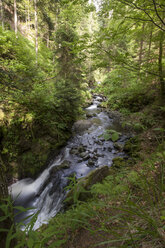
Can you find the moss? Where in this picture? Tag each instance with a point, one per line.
(118, 162)
(82, 188)
(132, 147)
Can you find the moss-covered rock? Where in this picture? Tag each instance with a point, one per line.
(81, 191)
(118, 146)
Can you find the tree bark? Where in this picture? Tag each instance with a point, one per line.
(29, 14)
(141, 46)
(36, 30)
(15, 19)
(150, 42)
(2, 17)
(160, 65)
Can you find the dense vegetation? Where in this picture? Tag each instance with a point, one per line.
(55, 52)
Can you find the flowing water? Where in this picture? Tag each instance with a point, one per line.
(84, 152)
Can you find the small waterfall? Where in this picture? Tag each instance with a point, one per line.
(84, 152)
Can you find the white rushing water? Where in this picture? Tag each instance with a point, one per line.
(86, 151)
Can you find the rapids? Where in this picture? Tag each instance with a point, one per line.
(84, 152)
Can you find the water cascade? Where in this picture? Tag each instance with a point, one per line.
(84, 152)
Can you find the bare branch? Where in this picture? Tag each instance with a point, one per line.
(157, 12)
(135, 6)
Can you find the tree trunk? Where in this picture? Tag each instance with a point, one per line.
(150, 41)
(15, 19)
(29, 14)
(160, 65)
(141, 46)
(36, 29)
(2, 17)
(47, 40)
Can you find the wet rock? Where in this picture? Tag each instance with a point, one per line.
(86, 157)
(81, 149)
(91, 163)
(98, 142)
(64, 165)
(100, 155)
(118, 146)
(74, 151)
(109, 149)
(83, 154)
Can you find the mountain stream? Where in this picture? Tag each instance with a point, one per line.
(84, 152)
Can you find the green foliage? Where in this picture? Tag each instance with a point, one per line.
(40, 102)
(111, 134)
(125, 93)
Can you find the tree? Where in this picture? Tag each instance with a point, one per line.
(2, 17)
(130, 37)
(15, 19)
(36, 29)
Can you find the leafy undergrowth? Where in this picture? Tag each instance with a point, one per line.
(127, 210)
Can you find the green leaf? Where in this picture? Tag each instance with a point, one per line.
(30, 243)
(107, 136)
(115, 137)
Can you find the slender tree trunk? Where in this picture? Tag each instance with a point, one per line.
(36, 29)
(160, 65)
(2, 17)
(15, 19)
(26, 17)
(150, 42)
(29, 14)
(141, 46)
(47, 40)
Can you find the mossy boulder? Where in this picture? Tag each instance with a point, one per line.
(81, 191)
(82, 125)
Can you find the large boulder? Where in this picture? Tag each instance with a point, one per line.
(82, 125)
(81, 191)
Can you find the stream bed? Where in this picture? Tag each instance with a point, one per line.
(84, 152)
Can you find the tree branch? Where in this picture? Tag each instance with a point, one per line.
(134, 5)
(156, 11)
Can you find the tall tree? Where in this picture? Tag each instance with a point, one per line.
(36, 29)
(15, 18)
(1, 12)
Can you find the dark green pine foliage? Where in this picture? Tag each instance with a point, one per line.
(68, 83)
